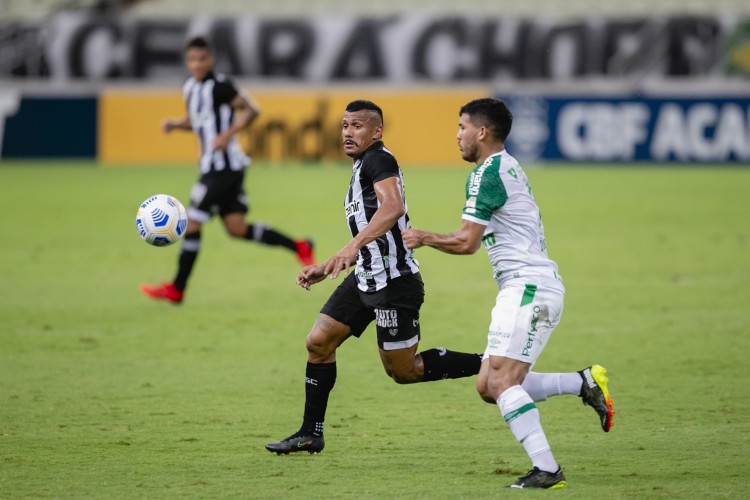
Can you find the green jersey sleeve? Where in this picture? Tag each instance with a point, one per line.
(485, 191)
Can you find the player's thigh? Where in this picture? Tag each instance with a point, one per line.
(396, 310)
(342, 316)
(523, 318)
(217, 194)
(234, 199)
(201, 201)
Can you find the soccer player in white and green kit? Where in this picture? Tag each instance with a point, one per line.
(501, 213)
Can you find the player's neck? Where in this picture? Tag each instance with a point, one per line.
(490, 151)
(205, 76)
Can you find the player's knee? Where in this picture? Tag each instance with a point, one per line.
(319, 349)
(315, 347)
(497, 385)
(487, 397)
(484, 392)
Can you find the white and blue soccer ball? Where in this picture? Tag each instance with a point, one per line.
(161, 220)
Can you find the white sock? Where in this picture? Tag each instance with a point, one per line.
(541, 386)
(522, 416)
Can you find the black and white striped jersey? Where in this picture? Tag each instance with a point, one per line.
(387, 257)
(210, 111)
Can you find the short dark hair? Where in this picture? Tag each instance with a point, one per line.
(198, 42)
(361, 104)
(491, 113)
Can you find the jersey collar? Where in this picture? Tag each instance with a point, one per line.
(499, 153)
(375, 145)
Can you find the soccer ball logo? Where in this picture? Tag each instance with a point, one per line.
(161, 220)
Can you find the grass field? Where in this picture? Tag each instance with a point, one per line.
(104, 394)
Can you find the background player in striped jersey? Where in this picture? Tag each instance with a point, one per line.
(385, 286)
(501, 212)
(216, 111)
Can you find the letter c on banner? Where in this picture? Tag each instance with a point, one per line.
(84, 38)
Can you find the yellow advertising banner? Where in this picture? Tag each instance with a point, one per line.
(294, 125)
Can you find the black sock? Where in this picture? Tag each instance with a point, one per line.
(261, 233)
(319, 380)
(188, 253)
(441, 363)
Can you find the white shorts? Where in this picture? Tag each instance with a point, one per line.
(525, 313)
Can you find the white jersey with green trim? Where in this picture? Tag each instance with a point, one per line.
(498, 196)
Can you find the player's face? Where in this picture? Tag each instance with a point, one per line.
(467, 136)
(360, 130)
(199, 62)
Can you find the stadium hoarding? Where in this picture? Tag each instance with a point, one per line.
(47, 126)
(398, 49)
(628, 128)
(300, 125)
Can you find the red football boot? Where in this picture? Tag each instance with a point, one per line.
(305, 252)
(165, 291)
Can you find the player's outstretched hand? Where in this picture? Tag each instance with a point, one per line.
(309, 275)
(342, 261)
(412, 238)
(167, 126)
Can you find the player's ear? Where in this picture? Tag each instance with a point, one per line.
(378, 133)
(482, 133)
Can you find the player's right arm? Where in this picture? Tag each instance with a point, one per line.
(481, 203)
(180, 124)
(465, 240)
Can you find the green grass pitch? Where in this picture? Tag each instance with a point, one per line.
(105, 394)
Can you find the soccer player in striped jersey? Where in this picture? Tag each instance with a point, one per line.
(501, 213)
(216, 111)
(385, 285)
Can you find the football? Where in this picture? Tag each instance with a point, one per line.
(161, 220)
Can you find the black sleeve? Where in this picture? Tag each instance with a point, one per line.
(380, 165)
(224, 92)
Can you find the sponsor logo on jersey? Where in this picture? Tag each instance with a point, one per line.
(499, 334)
(353, 208)
(476, 177)
(531, 335)
(489, 240)
(497, 337)
(386, 318)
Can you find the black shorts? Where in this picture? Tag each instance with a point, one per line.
(219, 193)
(395, 310)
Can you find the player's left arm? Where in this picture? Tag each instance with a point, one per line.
(390, 210)
(309, 275)
(465, 240)
(246, 111)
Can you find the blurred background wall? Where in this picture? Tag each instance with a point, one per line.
(587, 81)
